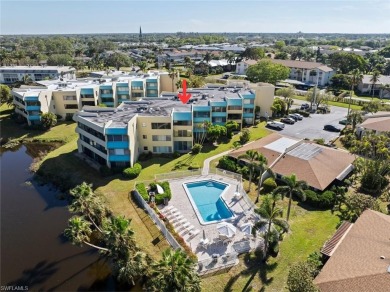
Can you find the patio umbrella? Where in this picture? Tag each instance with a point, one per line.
(226, 230)
(160, 190)
(246, 228)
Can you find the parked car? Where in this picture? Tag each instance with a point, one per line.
(298, 116)
(276, 125)
(332, 128)
(305, 106)
(287, 120)
(344, 122)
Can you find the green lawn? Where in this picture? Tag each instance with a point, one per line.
(62, 132)
(309, 231)
(334, 103)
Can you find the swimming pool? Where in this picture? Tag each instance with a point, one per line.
(206, 199)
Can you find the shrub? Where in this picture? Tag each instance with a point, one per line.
(269, 185)
(324, 200)
(176, 154)
(132, 172)
(319, 141)
(245, 136)
(228, 164)
(145, 156)
(140, 187)
(194, 166)
(196, 148)
(167, 192)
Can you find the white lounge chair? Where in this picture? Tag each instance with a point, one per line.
(193, 233)
(188, 229)
(173, 215)
(177, 218)
(180, 222)
(184, 226)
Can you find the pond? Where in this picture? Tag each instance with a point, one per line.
(34, 253)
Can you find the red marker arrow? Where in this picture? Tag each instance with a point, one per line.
(184, 96)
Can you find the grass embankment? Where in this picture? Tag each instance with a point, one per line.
(63, 132)
(334, 103)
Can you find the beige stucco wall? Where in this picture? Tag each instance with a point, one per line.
(264, 97)
(144, 127)
(59, 103)
(166, 82)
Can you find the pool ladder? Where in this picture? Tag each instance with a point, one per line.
(209, 184)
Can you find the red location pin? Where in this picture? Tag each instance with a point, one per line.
(184, 96)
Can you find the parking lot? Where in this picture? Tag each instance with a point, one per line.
(313, 127)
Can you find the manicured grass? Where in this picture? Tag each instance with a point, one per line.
(334, 103)
(309, 231)
(62, 132)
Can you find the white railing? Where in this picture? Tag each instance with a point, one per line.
(178, 174)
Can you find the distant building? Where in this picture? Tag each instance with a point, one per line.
(12, 74)
(64, 98)
(377, 123)
(359, 256)
(380, 89)
(242, 66)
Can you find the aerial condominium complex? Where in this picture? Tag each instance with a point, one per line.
(64, 98)
(116, 136)
(12, 74)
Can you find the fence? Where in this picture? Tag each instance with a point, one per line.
(178, 174)
(141, 202)
(215, 265)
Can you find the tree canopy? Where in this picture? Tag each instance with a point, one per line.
(266, 71)
(5, 94)
(346, 62)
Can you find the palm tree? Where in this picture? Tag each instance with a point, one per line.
(252, 158)
(173, 75)
(174, 272)
(374, 79)
(262, 167)
(208, 57)
(355, 117)
(85, 202)
(292, 185)
(79, 232)
(132, 268)
(356, 78)
(270, 214)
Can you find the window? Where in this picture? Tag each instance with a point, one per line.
(105, 91)
(234, 117)
(201, 114)
(146, 148)
(69, 97)
(249, 101)
(91, 131)
(161, 138)
(248, 110)
(183, 133)
(137, 88)
(162, 149)
(218, 109)
(144, 137)
(182, 123)
(219, 120)
(156, 126)
(119, 151)
(234, 107)
(183, 145)
(122, 88)
(117, 138)
(71, 106)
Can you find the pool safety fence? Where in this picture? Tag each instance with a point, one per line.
(216, 263)
(159, 223)
(178, 174)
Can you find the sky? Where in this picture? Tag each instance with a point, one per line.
(126, 16)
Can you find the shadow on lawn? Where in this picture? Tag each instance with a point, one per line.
(255, 266)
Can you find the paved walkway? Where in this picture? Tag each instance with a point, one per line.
(206, 163)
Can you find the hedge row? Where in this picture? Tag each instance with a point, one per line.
(142, 191)
(133, 172)
(325, 200)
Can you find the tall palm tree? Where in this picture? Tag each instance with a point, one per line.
(374, 79)
(270, 217)
(252, 158)
(263, 168)
(292, 185)
(356, 78)
(173, 74)
(79, 232)
(174, 272)
(85, 202)
(132, 268)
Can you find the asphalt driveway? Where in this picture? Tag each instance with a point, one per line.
(313, 127)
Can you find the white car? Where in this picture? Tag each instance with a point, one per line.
(276, 125)
(298, 116)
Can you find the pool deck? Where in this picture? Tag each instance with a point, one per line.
(216, 247)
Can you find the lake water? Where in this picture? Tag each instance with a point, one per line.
(34, 252)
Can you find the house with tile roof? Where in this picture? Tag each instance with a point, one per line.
(318, 165)
(378, 123)
(360, 258)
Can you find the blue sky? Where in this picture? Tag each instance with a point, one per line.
(125, 16)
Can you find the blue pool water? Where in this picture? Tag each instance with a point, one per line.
(206, 197)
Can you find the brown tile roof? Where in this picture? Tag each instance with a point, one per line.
(250, 62)
(318, 170)
(381, 124)
(331, 244)
(356, 264)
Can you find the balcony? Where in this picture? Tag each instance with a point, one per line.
(118, 144)
(117, 158)
(33, 108)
